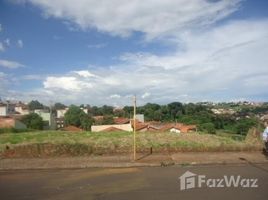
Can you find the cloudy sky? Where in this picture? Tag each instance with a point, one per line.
(103, 52)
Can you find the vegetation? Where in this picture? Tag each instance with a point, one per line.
(34, 105)
(76, 117)
(200, 114)
(55, 143)
(33, 121)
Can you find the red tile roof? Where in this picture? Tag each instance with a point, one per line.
(111, 129)
(71, 128)
(121, 120)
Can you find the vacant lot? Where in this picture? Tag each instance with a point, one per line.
(58, 143)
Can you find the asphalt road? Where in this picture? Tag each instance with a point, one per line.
(133, 183)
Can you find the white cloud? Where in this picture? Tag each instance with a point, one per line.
(85, 73)
(68, 83)
(10, 64)
(97, 46)
(152, 17)
(115, 96)
(232, 65)
(145, 95)
(7, 42)
(20, 43)
(220, 62)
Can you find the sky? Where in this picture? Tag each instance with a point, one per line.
(103, 52)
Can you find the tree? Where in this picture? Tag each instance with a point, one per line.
(33, 121)
(76, 117)
(58, 106)
(34, 104)
(175, 109)
(208, 127)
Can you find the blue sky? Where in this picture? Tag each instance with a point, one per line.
(103, 52)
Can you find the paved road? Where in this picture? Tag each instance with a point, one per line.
(130, 183)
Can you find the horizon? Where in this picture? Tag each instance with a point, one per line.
(162, 51)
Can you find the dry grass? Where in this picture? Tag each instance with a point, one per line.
(56, 143)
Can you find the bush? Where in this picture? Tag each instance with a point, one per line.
(76, 117)
(208, 127)
(12, 130)
(33, 121)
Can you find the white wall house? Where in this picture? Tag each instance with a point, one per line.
(98, 128)
(6, 109)
(22, 110)
(47, 117)
(3, 110)
(61, 112)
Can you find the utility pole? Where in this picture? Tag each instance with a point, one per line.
(134, 130)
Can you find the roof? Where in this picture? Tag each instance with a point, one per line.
(71, 128)
(121, 120)
(139, 125)
(182, 127)
(111, 129)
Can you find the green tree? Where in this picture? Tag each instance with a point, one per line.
(34, 104)
(208, 127)
(58, 106)
(76, 117)
(33, 121)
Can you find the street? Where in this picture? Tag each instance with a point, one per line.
(130, 183)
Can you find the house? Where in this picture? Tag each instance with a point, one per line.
(21, 109)
(140, 126)
(7, 108)
(47, 117)
(8, 122)
(140, 117)
(178, 128)
(61, 112)
(112, 129)
(121, 120)
(59, 122)
(3, 110)
(100, 128)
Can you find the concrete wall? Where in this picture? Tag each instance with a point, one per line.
(11, 123)
(47, 117)
(21, 110)
(61, 112)
(3, 111)
(125, 127)
(19, 125)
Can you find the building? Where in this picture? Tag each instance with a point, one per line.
(140, 117)
(60, 123)
(61, 112)
(8, 122)
(21, 109)
(178, 128)
(7, 109)
(121, 120)
(100, 128)
(48, 118)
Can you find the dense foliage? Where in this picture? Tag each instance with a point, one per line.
(34, 105)
(76, 117)
(33, 121)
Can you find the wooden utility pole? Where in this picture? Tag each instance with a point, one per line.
(134, 129)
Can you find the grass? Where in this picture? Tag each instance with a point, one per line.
(55, 143)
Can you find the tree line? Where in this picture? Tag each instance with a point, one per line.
(190, 113)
